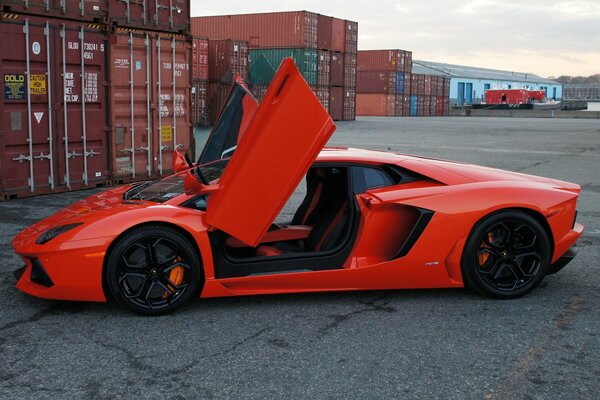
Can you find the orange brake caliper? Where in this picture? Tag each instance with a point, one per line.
(176, 277)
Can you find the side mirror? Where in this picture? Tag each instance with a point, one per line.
(193, 185)
(181, 162)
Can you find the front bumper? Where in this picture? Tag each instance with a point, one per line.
(563, 260)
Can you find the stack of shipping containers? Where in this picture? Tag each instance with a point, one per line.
(95, 93)
(324, 49)
(383, 83)
(429, 95)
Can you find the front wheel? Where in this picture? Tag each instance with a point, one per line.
(506, 256)
(153, 270)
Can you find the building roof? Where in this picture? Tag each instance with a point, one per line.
(463, 71)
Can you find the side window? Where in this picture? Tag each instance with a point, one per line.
(365, 178)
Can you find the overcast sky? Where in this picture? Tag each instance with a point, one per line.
(544, 37)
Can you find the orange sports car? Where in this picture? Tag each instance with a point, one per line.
(362, 219)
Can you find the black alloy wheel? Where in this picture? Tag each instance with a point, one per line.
(153, 270)
(507, 255)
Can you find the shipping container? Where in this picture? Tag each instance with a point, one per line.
(294, 29)
(401, 79)
(200, 58)
(259, 91)
(337, 69)
(264, 63)
(350, 70)
(324, 32)
(351, 38)
(217, 96)
(414, 105)
(323, 93)
(338, 35)
(227, 58)
(376, 104)
(324, 68)
(349, 104)
(199, 103)
(150, 88)
(383, 60)
(53, 130)
(89, 11)
(336, 103)
(160, 15)
(376, 82)
(172, 16)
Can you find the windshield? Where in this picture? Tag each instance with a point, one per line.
(230, 127)
(158, 191)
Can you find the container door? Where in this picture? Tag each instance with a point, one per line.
(281, 142)
(131, 102)
(460, 94)
(469, 93)
(171, 77)
(81, 111)
(26, 135)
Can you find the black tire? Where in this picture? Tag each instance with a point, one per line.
(506, 256)
(153, 270)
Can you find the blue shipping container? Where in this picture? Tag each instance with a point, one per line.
(400, 78)
(414, 100)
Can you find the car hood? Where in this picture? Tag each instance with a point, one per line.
(453, 173)
(90, 209)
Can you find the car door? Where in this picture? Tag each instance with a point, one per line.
(279, 144)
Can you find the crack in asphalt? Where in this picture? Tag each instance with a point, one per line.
(379, 304)
(239, 343)
(528, 363)
(52, 310)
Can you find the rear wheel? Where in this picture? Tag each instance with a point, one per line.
(506, 256)
(153, 270)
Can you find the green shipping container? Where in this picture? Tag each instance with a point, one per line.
(264, 63)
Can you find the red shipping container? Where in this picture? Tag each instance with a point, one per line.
(406, 105)
(414, 83)
(433, 105)
(53, 113)
(439, 106)
(427, 82)
(149, 102)
(351, 37)
(349, 104)
(226, 59)
(172, 16)
(323, 68)
(323, 93)
(294, 29)
(407, 61)
(376, 82)
(199, 102)
(200, 58)
(89, 10)
(338, 35)
(142, 14)
(380, 60)
(350, 70)
(446, 106)
(337, 69)
(336, 103)
(217, 96)
(324, 36)
(375, 104)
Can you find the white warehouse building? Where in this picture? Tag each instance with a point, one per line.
(468, 84)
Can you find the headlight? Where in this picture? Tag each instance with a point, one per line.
(54, 232)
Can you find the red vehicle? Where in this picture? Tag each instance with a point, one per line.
(365, 219)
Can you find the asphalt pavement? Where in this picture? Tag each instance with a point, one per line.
(447, 344)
